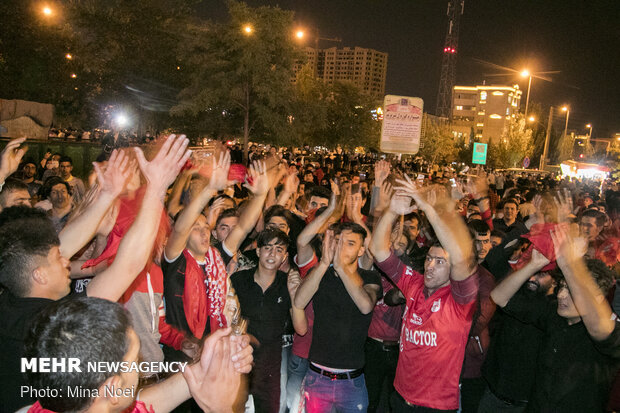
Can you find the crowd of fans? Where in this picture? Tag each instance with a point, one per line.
(306, 282)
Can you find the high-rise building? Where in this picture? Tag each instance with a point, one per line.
(365, 68)
(483, 111)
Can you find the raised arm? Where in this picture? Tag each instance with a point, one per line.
(380, 241)
(79, 231)
(304, 249)
(10, 158)
(587, 296)
(174, 199)
(183, 226)
(311, 282)
(247, 221)
(449, 227)
(136, 246)
(298, 315)
(364, 296)
(509, 286)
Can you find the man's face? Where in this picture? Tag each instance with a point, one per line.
(199, 238)
(495, 240)
(510, 212)
(587, 202)
(589, 228)
(540, 282)
(400, 245)
(224, 227)
(57, 270)
(352, 246)
(280, 223)
(29, 170)
(483, 245)
(413, 227)
(65, 169)
(436, 269)
(472, 208)
(272, 255)
(308, 177)
(15, 198)
(566, 306)
(59, 196)
(317, 202)
(355, 180)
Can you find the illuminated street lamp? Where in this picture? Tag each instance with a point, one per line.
(526, 73)
(589, 126)
(69, 56)
(567, 110)
(47, 11)
(300, 34)
(73, 75)
(248, 29)
(532, 119)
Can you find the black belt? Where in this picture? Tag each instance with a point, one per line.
(508, 401)
(337, 376)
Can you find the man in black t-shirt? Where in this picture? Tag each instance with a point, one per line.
(265, 300)
(343, 297)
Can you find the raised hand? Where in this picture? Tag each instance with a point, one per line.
(291, 183)
(293, 282)
(327, 252)
(112, 179)
(539, 259)
(10, 157)
(478, 186)
(385, 195)
(219, 175)
(165, 167)
(567, 249)
(401, 204)
(257, 172)
(335, 188)
(564, 204)
(382, 171)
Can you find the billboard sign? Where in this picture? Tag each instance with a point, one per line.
(402, 124)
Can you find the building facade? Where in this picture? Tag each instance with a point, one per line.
(365, 68)
(482, 112)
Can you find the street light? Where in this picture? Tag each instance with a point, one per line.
(526, 73)
(69, 56)
(300, 34)
(589, 126)
(532, 119)
(567, 110)
(248, 29)
(73, 75)
(47, 11)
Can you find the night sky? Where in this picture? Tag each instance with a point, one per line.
(579, 38)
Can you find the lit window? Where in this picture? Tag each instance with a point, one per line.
(507, 111)
(459, 108)
(498, 93)
(495, 116)
(483, 95)
(480, 124)
(481, 112)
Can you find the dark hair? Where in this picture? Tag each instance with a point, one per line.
(320, 192)
(12, 184)
(602, 275)
(227, 213)
(350, 226)
(65, 159)
(269, 234)
(278, 211)
(26, 237)
(511, 201)
(498, 233)
(87, 328)
(413, 215)
(52, 181)
(212, 200)
(600, 217)
(478, 227)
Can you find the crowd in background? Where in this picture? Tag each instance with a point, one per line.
(346, 281)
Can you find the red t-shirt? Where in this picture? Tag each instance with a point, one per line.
(386, 320)
(433, 336)
(301, 344)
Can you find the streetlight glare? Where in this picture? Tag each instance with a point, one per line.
(564, 108)
(525, 73)
(300, 34)
(69, 56)
(532, 119)
(589, 125)
(121, 120)
(73, 75)
(47, 11)
(248, 29)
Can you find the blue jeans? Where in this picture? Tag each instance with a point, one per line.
(296, 371)
(324, 394)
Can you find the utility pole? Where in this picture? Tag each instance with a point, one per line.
(543, 158)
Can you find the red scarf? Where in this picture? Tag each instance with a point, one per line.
(199, 301)
(137, 407)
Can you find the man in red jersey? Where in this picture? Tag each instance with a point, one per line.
(439, 303)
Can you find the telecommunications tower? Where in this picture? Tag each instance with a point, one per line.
(448, 63)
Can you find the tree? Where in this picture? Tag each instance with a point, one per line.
(439, 144)
(512, 146)
(244, 72)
